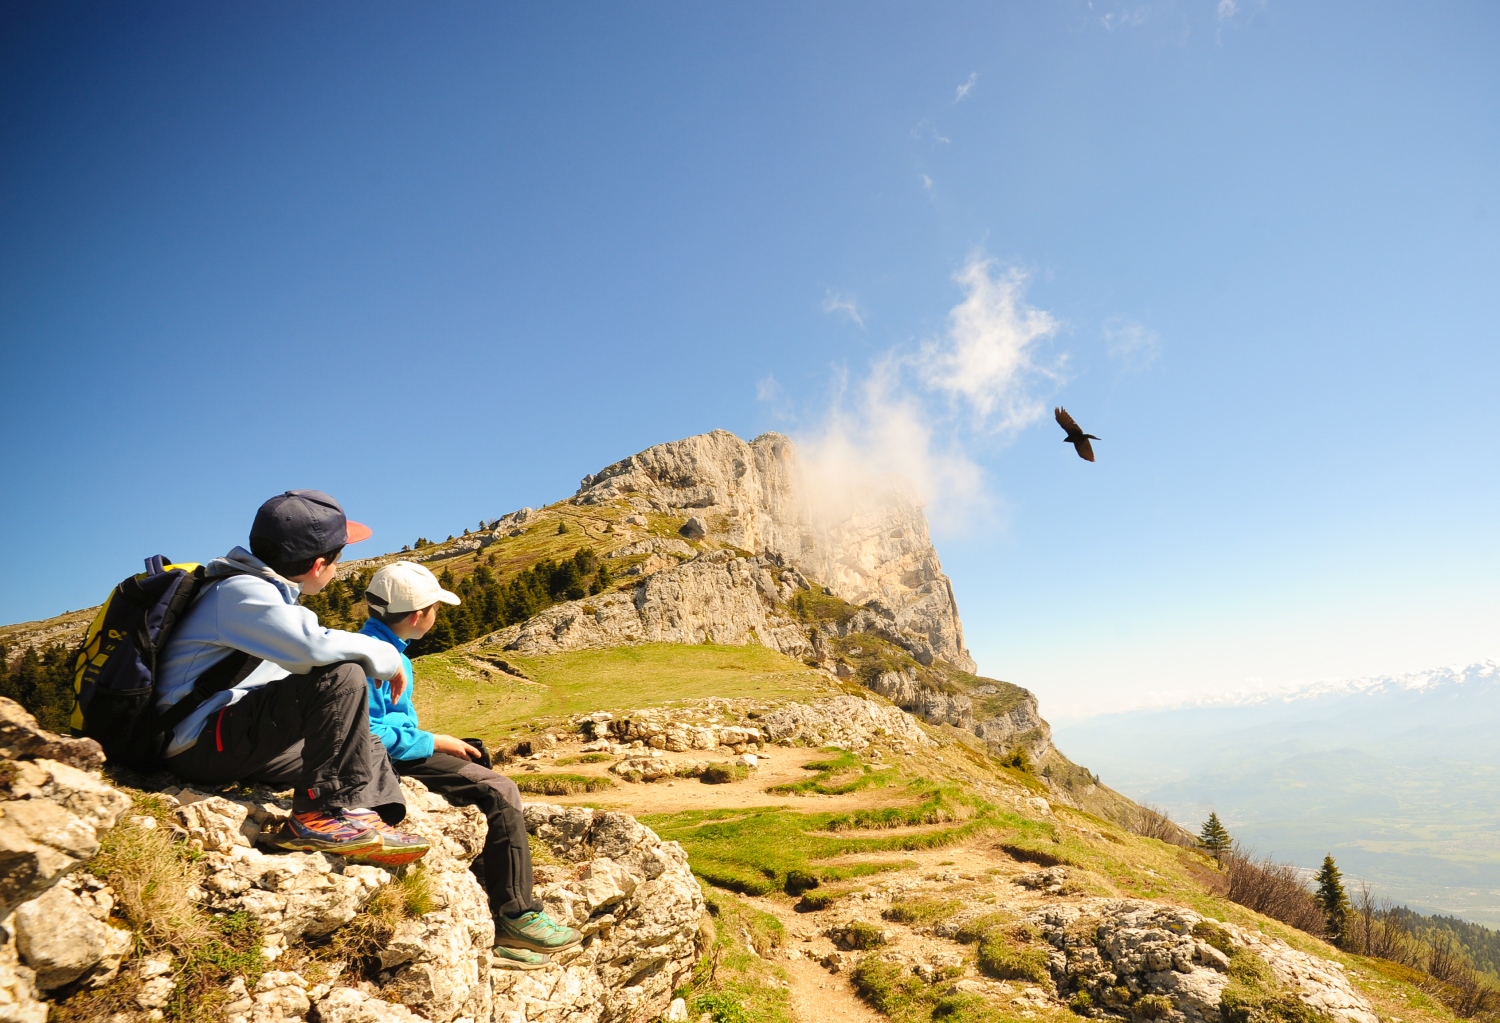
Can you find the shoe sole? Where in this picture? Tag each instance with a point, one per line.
(509, 942)
(511, 964)
(381, 858)
(346, 851)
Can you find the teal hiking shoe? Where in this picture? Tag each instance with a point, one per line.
(535, 931)
(517, 959)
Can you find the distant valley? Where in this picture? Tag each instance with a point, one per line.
(1398, 777)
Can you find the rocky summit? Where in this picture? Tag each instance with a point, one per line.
(762, 777)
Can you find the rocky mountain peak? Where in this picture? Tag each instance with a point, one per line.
(866, 543)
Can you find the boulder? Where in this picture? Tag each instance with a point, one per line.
(52, 812)
(59, 937)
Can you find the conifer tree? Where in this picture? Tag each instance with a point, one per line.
(1215, 837)
(1332, 899)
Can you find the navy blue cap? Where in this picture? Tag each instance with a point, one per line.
(303, 524)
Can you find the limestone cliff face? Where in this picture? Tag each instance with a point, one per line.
(869, 546)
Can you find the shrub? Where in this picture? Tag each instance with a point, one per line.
(1275, 889)
(1081, 1003)
(1003, 962)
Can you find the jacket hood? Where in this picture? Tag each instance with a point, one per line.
(241, 562)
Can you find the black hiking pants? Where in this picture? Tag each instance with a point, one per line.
(506, 857)
(307, 732)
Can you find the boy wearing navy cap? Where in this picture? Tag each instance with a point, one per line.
(297, 713)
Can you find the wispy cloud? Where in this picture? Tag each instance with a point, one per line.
(926, 412)
(926, 182)
(1132, 343)
(927, 131)
(1227, 9)
(967, 87)
(843, 305)
(1125, 17)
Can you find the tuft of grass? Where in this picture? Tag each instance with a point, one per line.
(922, 911)
(812, 902)
(559, 784)
(888, 988)
(1001, 960)
(1214, 935)
(151, 876)
(1153, 1007)
(722, 774)
(857, 934)
(1040, 857)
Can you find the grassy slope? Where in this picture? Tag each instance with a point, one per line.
(956, 794)
(460, 692)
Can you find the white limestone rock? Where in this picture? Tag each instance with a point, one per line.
(59, 937)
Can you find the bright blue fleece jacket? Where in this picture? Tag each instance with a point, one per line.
(395, 721)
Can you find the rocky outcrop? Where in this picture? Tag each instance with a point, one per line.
(1012, 720)
(631, 894)
(715, 598)
(1168, 963)
(847, 721)
(868, 544)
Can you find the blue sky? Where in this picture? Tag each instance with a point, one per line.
(442, 261)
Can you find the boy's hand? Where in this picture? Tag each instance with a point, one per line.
(454, 747)
(398, 684)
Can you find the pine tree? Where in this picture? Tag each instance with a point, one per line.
(1215, 837)
(1332, 898)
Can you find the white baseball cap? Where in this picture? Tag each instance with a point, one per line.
(405, 586)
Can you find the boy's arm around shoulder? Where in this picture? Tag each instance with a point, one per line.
(253, 617)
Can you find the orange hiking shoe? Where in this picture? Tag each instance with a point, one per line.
(396, 849)
(336, 834)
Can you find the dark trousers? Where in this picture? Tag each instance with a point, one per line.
(307, 732)
(506, 869)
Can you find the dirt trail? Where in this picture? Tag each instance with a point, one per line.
(780, 766)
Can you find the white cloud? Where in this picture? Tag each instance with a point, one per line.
(768, 389)
(925, 413)
(1134, 344)
(985, 359)
(926, 182)
(1228, 9)
(844, 305)
(966, 88)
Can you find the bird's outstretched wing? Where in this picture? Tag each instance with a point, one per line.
(1084, 448)
(1064, 420)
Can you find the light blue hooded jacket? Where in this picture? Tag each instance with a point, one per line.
(253, 609)
(394, 722)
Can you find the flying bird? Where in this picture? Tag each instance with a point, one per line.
(1075, 435)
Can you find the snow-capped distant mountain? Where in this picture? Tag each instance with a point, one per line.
(1482, 674)
(1398, 776)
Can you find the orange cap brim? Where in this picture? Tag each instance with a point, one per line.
(357, 531)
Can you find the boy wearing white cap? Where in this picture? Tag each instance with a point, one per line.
(403, 599)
